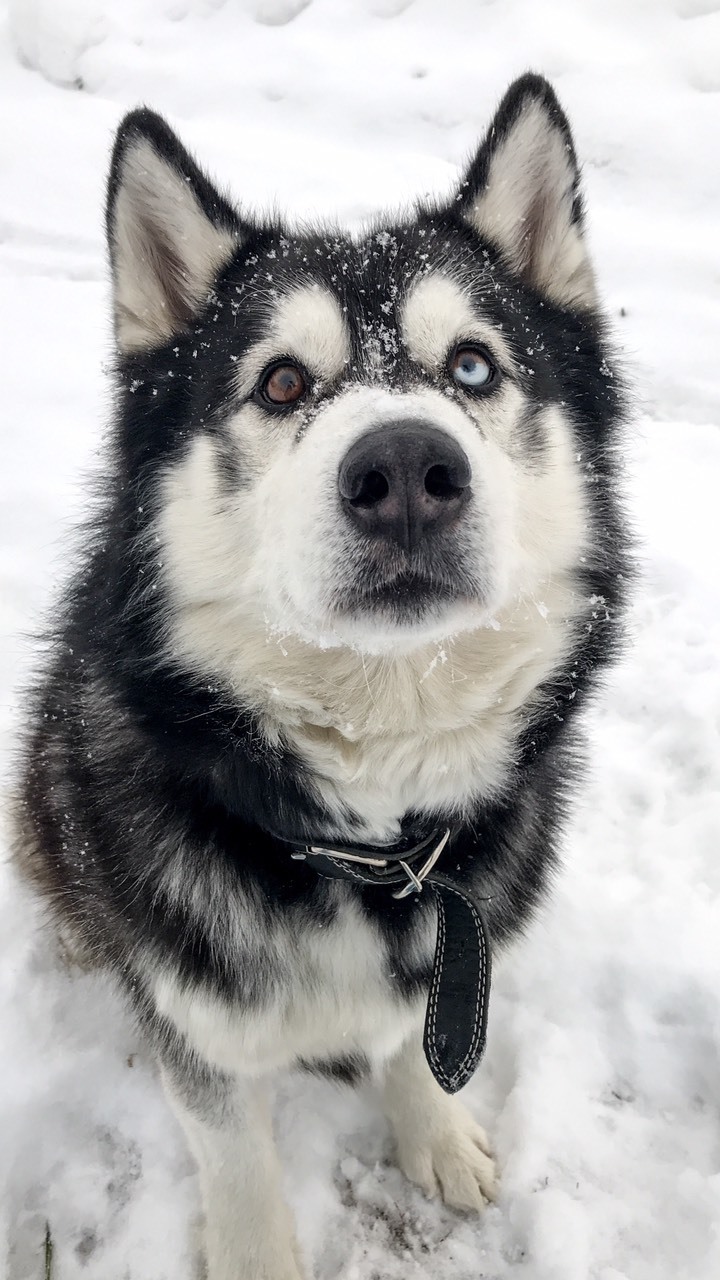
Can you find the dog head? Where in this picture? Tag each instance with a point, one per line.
(373, 440)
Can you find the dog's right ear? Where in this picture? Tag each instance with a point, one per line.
(169, 233)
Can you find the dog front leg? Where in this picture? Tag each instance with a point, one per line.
(439, 1145)
(249, 1232)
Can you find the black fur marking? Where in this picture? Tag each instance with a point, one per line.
(351, 1070)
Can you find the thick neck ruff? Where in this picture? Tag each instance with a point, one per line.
(457, 1009)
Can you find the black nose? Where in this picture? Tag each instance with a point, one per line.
(404, 481)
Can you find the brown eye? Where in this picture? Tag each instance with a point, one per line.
(472, 367)
(281, 385)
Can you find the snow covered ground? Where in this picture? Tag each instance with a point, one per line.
(601, 1084)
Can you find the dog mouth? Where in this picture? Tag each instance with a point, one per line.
(407, 593)
(403, 594)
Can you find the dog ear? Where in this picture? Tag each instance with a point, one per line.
(169, 232)
(522, 193)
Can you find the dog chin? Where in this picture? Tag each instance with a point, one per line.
(392, 631)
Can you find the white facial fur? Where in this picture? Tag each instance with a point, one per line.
(308, 325)
(390, 718)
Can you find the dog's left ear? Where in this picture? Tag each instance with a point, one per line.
(170, 233)
(522, 193)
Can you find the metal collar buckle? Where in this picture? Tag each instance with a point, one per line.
(415, 878)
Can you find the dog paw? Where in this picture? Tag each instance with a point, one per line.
(449, 1156)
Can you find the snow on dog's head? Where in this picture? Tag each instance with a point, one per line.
(371, 441)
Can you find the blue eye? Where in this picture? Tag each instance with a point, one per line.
(472, 368)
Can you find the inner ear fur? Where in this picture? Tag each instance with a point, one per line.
(170, 233)
(522, 194)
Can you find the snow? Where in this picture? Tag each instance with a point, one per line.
(600, 1084)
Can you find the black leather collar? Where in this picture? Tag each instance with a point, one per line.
(457, 1008)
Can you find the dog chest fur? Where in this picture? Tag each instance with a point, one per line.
(330, 996)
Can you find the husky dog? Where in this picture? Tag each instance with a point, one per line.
(357, 561)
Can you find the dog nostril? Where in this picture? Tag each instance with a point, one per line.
(439, 484)
(373, 488)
